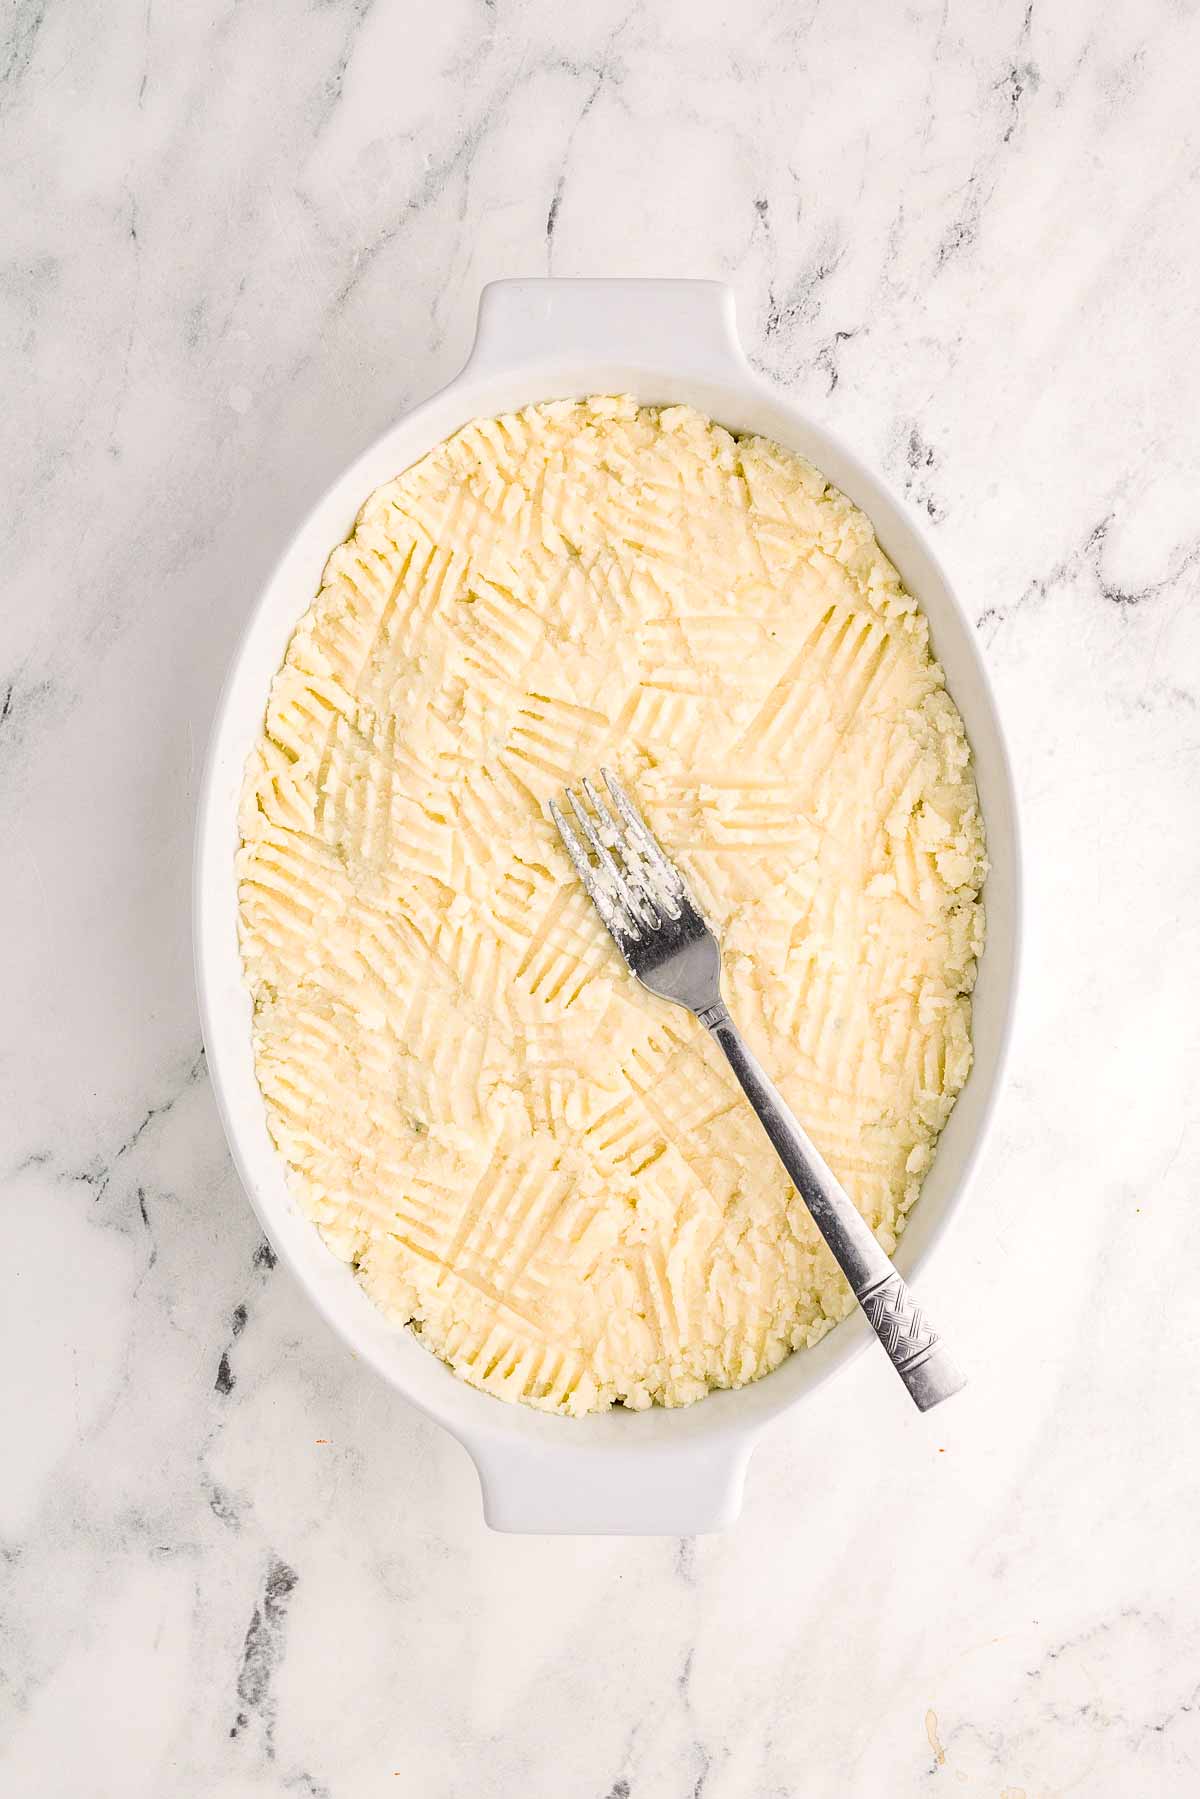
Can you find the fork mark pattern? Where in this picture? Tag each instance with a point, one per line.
(554, 1177)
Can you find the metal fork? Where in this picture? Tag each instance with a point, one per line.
(657, 927)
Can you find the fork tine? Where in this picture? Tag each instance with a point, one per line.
(609, 909)
(646, 842)
(634, 872)
(628, 899)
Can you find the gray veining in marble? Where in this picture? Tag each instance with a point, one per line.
(238, 241)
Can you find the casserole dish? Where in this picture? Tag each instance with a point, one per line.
(674, 1472)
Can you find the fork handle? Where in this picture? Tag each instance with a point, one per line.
(913, 1346)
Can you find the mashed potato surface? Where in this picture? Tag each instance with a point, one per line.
(552, 1175)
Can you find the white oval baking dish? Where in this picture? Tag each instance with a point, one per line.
(655, 1472)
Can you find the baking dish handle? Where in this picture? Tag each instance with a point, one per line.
(673, 325)
(651, 1490)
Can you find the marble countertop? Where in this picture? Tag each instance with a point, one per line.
(239, 241)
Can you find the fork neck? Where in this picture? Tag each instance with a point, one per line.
(712, 1016)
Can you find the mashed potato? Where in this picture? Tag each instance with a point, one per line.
(550, 1174)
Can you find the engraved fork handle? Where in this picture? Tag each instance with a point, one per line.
(913, 1346)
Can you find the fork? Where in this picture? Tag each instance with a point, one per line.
(668, 947)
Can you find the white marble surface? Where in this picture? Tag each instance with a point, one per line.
(237, 242)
